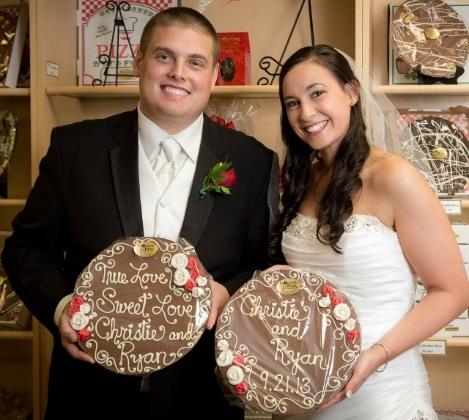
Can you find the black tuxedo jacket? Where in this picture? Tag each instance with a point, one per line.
(86, 197)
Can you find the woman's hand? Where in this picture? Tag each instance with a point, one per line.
(369, 360)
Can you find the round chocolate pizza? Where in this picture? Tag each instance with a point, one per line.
(431, 37)
(286, 342)
(141, 304)
(446, 151)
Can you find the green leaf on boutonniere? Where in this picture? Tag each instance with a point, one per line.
(221, 178)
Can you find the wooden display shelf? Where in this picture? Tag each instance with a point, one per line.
(12, 202)
(251, 91)
(452, 341)
(16, 335)
(423, 89)
(14, 91)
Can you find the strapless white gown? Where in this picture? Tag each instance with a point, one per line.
(375, 275)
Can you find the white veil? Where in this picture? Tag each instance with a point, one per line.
(381, 116)
(379, 113)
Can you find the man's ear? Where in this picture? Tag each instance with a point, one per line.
(215, 72)
(137, 63)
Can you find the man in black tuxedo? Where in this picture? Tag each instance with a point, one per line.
(98, 182)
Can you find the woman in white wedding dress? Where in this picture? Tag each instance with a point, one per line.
(369, 221)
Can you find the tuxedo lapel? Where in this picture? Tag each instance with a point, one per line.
(124, 166)
(198, 209)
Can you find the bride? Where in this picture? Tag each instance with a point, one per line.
(369, 221)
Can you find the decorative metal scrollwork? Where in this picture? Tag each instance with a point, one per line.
(118, 28)
(266, 63)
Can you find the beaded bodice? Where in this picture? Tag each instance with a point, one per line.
(304, 227)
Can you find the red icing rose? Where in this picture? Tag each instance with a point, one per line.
(83, 334)
(229, 178)
(190, 284)
(238, 360)
(241, 388)
(192, 262)
(336, 300)
(353, 335)
(327, 291)
(75, 304)
(194, 273)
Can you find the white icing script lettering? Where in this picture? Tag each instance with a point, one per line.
(187, 335)
(136, 362)
(294, 358)
(108, 305)
(252, 306)
(172, 312)
(105, 328)
(288, 330)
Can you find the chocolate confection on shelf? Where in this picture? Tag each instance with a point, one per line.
(431, 37)
(441, 140)
(286, 342)
(141, 304)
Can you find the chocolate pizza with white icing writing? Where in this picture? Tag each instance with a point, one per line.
(286, 342)
(141, 304)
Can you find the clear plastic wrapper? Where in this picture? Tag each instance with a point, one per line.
(233, 113)
(286, 342)
(141, 304)
(436, 142)
(431, 37)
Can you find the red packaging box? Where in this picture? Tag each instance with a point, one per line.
(234, 58)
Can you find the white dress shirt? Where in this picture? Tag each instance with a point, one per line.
(163, 211)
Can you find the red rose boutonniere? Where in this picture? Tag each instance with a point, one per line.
(221, 179)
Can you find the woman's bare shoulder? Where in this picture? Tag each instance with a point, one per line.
(391, 173)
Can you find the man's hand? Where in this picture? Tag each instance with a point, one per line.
(69, 338)
(219, 298)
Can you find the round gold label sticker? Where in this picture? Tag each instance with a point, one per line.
(432, 33)
(439, 153)
(288, 286)
(146, 248)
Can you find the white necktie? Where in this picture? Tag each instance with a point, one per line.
(165, 164)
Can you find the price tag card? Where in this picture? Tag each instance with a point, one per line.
(433, 347)
(451, 207)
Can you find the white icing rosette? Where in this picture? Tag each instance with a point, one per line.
(198, 292)
(222, 345)
(201, 281)
(325, 301)
(181, 275)
(85, 308)
(350, 324)
(79, 321)
(179, 260)
(225, 358)
(342, 312)
(235, 375)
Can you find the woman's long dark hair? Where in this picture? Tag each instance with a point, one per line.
(337, 203)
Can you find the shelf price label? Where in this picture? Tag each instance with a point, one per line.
(433, 347)
(451, 207)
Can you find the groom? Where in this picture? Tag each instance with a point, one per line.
(140, 173)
